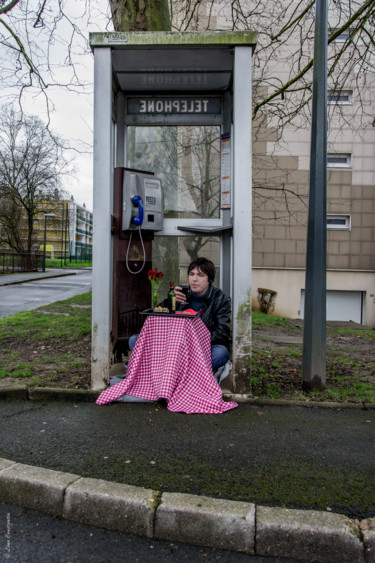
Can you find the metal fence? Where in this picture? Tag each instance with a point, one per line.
(83, 252)
(12, 262)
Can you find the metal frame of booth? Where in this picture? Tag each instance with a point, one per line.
(128, 65)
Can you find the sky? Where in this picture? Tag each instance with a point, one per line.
(72, 114)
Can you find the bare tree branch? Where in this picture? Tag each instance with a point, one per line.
(22, 51)
(291, 24)
(368, 5)
(39, 22)
(8, 7)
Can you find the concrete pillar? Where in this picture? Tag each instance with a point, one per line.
(242, 220)
(102, 253)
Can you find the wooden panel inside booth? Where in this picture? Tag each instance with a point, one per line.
(131, 292)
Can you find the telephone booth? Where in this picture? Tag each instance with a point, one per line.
(172, 117)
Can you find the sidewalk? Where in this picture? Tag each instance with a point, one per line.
(12, 279)
(281, 481)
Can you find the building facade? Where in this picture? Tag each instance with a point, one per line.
(80, 231)
(281, 161)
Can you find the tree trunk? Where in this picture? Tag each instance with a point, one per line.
(140, 15)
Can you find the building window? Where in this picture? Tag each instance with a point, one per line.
(341, 97)
(340, 222)
(339, 160)
(342, 37)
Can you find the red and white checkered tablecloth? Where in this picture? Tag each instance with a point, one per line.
(172, 360)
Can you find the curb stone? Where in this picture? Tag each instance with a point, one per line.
(368, 531)
(4, 463)
(113, 506)
(15, 392)
(90, 396)
(204, 521)
(308, 534)
(55, 394)
(37, 278)
(48, 394)
(239, 526)
(35, 487)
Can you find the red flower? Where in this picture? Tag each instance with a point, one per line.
(155, 275)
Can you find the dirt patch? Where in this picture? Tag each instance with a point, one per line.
(71, 369)
(350, 362)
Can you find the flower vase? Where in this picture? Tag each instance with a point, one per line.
(154, 297)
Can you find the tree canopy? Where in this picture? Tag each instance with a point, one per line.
(40, 42)
(31, 167)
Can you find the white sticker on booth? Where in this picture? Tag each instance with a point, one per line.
(225, 171)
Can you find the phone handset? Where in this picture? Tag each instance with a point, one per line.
(137, 202)
(137, 220)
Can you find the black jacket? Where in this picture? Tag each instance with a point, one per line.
(217, 316)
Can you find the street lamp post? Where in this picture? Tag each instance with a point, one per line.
(44, 240)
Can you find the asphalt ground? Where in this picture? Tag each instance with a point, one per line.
(23, 292)
(32, 536)
(313, 458)
(295, 457)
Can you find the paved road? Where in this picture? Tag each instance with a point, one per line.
(27, 296)
(31, 536)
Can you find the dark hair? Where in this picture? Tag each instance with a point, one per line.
(205, 266)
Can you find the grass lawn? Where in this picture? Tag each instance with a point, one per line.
(51, 347)
(67, 264)
(277, 361)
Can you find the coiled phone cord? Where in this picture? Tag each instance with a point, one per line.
(143, 249)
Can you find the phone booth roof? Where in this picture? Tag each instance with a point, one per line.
(173, 61)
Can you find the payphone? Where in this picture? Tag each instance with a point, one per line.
(142, 201)
(138, 207)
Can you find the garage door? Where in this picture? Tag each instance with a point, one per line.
(341, 305)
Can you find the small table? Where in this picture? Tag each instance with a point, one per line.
(172, 360)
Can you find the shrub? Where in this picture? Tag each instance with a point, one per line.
(266, 299)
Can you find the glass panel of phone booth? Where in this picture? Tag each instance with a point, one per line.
(187, 159)
(165, 249)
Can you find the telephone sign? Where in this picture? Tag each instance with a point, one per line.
(174, 105)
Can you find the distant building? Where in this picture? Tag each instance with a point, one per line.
(68, 232)
(80, 231)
